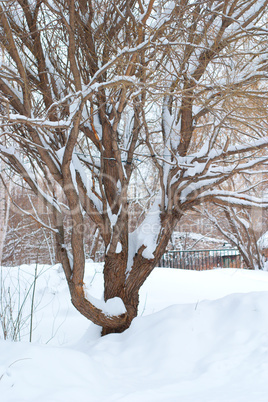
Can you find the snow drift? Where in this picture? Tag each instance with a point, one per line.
(198, 350)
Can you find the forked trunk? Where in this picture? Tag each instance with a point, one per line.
(126, 285)
(131, 302)
(115, 286)
(118, 281)
(118, 284)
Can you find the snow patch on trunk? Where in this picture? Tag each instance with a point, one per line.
(145, 235)
(112, 307)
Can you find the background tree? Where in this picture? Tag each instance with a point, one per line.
(4, 209)
(92, 89)
(25, 238)
(236, 225)
(241, 226)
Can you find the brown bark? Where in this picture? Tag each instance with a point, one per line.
(115, 286)
(126, 285)
(94, 314)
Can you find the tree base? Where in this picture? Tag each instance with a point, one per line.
(119, 330)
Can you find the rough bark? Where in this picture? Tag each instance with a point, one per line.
(126, 285)
(115, 286)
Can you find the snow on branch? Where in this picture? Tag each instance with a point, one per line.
(233, 198)
(13, 158)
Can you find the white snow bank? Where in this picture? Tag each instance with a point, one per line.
(186, 286)
(211, 345)
(213, 351)
(57, 322)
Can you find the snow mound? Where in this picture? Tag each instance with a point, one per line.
(209, 351)
(199, 336)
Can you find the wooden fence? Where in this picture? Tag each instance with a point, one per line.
(201, 259)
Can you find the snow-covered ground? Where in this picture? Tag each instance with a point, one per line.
(199, 337)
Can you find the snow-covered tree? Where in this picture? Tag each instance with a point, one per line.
(237, 227)
(240, 225)
(93, 90)
(4, 210)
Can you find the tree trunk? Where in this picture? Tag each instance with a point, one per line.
(118, 284)
(115, 286)
(126, 285)
(4, 215)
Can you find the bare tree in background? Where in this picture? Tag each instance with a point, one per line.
(94, 90)
(236, 225)
(4, 210)
(241, 226)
